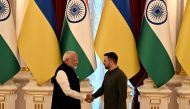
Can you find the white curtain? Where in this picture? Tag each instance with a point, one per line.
(20, 10)
(175, 15)
(97, 77)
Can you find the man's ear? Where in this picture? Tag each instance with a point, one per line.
(66, 60)
(111, 61)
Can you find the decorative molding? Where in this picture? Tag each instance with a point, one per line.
(183, 98)
(152, 97)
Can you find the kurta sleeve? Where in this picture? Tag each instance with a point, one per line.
(122, 87)
(65, 86)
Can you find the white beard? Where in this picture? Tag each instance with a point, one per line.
(75, 67)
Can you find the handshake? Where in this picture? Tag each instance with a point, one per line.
(89, 98)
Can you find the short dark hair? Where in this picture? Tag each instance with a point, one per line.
(113, 56)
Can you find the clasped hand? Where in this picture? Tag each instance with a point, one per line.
(89, 98)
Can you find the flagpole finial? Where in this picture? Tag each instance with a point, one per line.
(25, 69)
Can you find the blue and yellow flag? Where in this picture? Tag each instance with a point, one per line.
(37, 43)
(183, 45)
(115, 34)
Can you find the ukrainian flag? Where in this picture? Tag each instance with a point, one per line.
(183, 45)
(37, 43)
(115, 34)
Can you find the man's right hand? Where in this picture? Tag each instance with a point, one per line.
(89, 98)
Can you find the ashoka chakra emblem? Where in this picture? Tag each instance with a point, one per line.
(4, 10)
(156, 12)
(76, 11)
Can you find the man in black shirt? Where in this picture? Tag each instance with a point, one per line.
(114, 86)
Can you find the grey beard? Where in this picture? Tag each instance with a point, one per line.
(75, 67)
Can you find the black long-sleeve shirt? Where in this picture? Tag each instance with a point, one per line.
(114, 88)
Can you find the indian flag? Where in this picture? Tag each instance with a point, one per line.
(155, 45)
(77, 36)
(9, 65)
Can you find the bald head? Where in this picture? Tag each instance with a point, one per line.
(71, 59)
